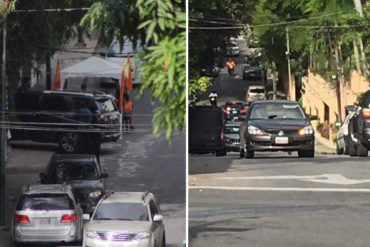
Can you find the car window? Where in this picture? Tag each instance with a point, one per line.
(122, 211)
(27, 102)
(75, 171)
(53, 103)
(257, 90)
(277, 111)
(232, 130)
(106, 105)
(45, 202)
(153, 209)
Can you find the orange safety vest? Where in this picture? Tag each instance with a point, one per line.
(127, 108)
(230, 64)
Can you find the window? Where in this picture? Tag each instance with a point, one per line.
(75, 171)
(277, 111)
(153, 209)
(326, 112)
(45, 202)
(53, 103)
(122, 211)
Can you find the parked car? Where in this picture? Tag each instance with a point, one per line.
(234, 110)
(125, 219)
(253, 73)
(47, 214)
(206, 136)
(343, 137)
(255, 92)
(232, 136)
(278, 125)
(51, 116)
(82, 172)
(359, 128)
(232, 49)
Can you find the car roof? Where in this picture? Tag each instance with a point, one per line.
(47, 188)
(274, 101)
(129, 197)
(73, 93)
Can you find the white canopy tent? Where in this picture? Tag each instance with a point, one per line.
(92, 67)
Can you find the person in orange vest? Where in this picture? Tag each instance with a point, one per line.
(230, 64)
(127, 112)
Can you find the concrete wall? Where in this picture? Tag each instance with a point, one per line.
(316, 93)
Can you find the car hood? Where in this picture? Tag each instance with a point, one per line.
(279, 123)
(118, 225)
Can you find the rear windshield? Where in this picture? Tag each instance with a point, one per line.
(205, 119)
(45, 202)
(277, 111)
(106, 105)
(122, 211)
(232, 130)
(257, 90)
(75, 171)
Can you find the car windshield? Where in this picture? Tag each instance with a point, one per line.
(122, 211)
(257, 90)
(75, 171)
(45, 202)
(277, 111)
(232, 130)
(106, 105)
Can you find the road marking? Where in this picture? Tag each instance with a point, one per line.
(289, 189)
(324, 178)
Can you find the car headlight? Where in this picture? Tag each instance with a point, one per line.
(308, 130)
(142, 235)
(255, 131)
(91, 234)
(95, 194)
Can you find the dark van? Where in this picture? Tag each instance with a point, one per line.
(206, 130)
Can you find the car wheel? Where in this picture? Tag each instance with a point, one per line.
(338, 149)
(220, 153)
(306, 153)
(69, 142)
(249, 154)
(362, 150)
(352, 151)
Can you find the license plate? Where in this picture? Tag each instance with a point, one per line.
(45, 222)
(282, 140)
(235, 112)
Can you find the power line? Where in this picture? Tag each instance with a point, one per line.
(49, 10)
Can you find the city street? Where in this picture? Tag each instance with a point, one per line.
(140, 161)
(278, 200)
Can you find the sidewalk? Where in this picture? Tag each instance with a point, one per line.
(321, 148)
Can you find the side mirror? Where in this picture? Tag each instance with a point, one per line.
(42, 177)
(338, 124)
(313, 117)
(104, 175)
(86, 216)
(158, 218)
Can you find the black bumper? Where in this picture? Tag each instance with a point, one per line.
(267, 143)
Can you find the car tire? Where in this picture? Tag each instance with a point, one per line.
(70, 142)
(221, 152)
(338, 149)
(352, 151)
(306, 153)
(362, 150)
(249, 154)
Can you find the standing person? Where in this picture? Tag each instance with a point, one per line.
(127, 112)
(230, 64)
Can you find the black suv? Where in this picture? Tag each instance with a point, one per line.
(82, 172)
(51, 116)
(359, 128)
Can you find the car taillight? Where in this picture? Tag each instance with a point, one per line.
(226, 111)
(366, 113)
(243, 111)
(21, 219)
(68, 218)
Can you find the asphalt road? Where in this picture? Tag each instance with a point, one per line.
(140, 161)
(279, 200)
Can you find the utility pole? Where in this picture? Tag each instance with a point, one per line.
(3, 129)
(287, 53)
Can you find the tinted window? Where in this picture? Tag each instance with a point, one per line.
(122, 211)
(27, 101)
(232, 130)
(206, 118)
(53, 103)
(277, 111)
(106, 105)
(75, 171)
(45, 202)
(257, 90)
